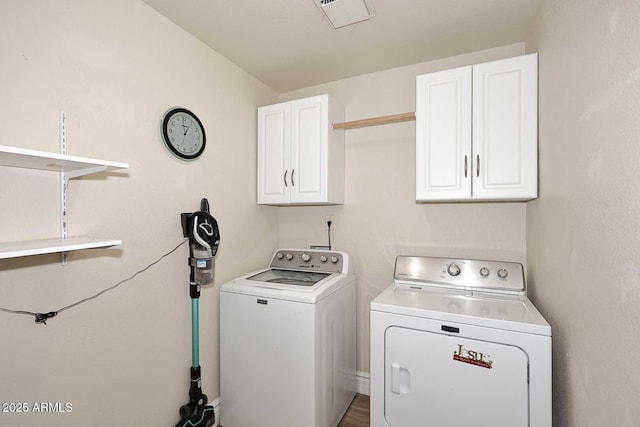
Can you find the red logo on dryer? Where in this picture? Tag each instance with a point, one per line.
(472, 357)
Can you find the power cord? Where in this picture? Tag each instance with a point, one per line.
(42, 317)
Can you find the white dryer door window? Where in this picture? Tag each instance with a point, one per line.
(433, 379)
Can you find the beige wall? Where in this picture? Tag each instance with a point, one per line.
(380, 218)
(115, 67)
(583, 237)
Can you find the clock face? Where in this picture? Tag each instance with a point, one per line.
(183, 133)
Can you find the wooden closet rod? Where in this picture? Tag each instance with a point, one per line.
(395, 118)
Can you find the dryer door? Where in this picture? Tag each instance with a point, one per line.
(433, 379)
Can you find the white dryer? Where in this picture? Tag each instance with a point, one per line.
(457, 343)
(287, 342)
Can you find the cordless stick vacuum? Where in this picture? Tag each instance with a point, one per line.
(202, 230)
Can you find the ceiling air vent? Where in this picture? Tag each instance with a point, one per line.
(340, 13)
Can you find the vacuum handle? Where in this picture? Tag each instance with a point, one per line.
(204, 205)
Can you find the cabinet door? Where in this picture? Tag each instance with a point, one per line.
(309, 133)
(443, 135)
(274, 140)
(505, 129)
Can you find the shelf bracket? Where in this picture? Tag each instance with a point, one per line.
(85, 171)
(64, 183)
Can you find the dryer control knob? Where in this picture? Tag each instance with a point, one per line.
(484, 271)
(280, 255)
(323, 258)
(334, 259)
(305, 257)
(289, 257)
(453, 269)
(502, 273)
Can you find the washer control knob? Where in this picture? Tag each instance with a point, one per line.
(334, 259)
(484, 271)
(289, 257)
(323, 258)
(453, 269)
(280, 255)
(305, 257)
(502, 273)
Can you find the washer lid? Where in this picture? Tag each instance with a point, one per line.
(300, 275)
(507, 312)
(289, 277)
(250, 284)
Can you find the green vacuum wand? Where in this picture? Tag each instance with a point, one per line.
(202, 230)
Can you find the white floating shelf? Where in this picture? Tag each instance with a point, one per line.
(47, 246)
(73, 166)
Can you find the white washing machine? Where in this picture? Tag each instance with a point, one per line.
(457, 343)
(287, 342)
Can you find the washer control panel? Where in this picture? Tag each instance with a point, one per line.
(468, 274)
(310, 259)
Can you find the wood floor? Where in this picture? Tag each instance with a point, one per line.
(358, 413)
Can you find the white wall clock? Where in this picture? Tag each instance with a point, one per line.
(183, 133)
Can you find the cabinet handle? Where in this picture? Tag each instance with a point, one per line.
(465, 166)
(293, 183)
(477, 165)
(285, 178)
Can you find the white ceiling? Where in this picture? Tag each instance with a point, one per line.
(288, 44)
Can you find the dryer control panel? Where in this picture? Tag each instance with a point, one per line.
(468, 274)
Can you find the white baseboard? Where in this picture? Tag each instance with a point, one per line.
(216, 410)
(363, 383)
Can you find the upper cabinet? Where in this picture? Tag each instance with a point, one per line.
(477, 132)
(300, 156)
